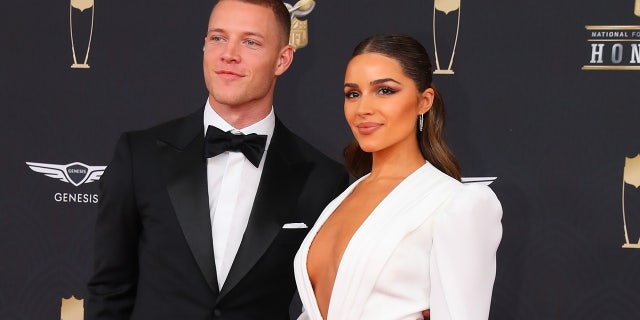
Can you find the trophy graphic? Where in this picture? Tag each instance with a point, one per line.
(445, 6)
(631, 176)
(636, 8)
(80, 5)
(298, 38)
(72, 309)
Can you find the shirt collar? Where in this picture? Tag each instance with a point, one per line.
(264, 126)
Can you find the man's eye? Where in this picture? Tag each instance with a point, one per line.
(251, 42)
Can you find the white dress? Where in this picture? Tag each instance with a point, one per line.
(430, 244)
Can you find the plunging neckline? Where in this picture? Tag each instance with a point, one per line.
(355, 237)
(337, 232)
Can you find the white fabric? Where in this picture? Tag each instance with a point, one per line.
(430, 244)
(232, 185)
(223, 218)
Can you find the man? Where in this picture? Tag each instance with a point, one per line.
(187, 230)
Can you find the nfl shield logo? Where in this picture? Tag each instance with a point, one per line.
(299, 35)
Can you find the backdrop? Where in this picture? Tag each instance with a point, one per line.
(542, 99)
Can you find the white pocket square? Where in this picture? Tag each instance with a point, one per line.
(295, 225)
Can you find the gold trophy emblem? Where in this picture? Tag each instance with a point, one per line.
(299, 38)
(631, 176)
(72, 309)
(636, 8)
(80, 5)
(446, 6)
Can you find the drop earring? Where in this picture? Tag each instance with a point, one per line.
(421, 122)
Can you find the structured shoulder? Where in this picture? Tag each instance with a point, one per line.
(475, 201)
(475, 194)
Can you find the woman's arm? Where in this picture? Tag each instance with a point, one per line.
(463, 257)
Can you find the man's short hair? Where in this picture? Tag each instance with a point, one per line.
(280, 11)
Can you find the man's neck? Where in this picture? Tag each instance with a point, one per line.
(241, 116)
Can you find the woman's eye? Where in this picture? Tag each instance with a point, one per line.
(386, 91)
(351, 94)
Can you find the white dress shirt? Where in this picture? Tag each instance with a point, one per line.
(232, 184)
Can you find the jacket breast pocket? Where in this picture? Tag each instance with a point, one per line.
(290, 237)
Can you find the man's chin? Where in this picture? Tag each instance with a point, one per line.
(229, 100)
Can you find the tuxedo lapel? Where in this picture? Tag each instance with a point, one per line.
(182, 149)
(283, 177)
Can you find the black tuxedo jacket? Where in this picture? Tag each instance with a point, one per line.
(153, 248)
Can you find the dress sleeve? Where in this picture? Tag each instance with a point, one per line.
(463, 256)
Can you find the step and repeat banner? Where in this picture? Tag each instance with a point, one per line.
(543, 104)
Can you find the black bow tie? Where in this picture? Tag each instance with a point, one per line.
(218, 141)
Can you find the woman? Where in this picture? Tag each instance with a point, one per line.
(407, 235)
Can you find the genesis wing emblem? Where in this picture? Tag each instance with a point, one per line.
(61, 172)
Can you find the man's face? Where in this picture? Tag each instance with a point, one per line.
(243, 54)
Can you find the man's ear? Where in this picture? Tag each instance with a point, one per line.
(284, 60)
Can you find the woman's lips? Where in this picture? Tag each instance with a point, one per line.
(368, 127)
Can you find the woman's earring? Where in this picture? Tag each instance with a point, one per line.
(421, 122)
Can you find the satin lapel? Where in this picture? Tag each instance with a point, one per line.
(185, 174)
(282, 180)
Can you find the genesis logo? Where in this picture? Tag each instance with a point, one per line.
(75, 173)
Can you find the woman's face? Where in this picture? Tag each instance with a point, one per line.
(382, 104)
